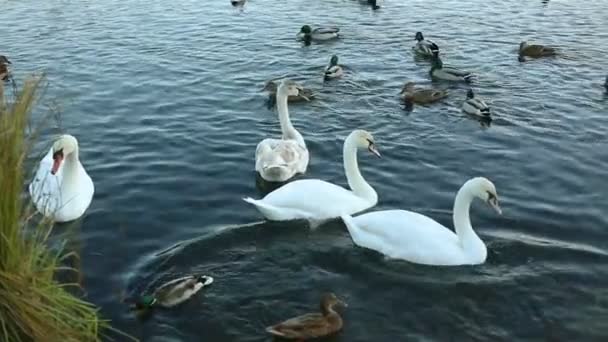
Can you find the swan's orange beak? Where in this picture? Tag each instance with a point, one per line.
(57, 159)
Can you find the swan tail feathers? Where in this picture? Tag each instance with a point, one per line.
(269, 211)
(351, 226)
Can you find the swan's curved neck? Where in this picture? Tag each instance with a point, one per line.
(70, 170)
(287, 129)
(355, 180)
(462, 222)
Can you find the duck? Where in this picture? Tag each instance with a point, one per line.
(409, 93)
(4, 71)
(62, 190)
(423, 47)
(333, 70)
(304, 95)
(277, 160)
(375, 4)
(173, 292)
(312, 325)
(316, 200)
(475, 106)
(535, 51)
(438, 71)
(413, 237)
(320, 33)
(236, 3)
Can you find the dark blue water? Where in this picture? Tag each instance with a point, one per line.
(165, 100)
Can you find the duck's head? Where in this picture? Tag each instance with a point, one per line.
(62, 147)
(364, 139)
(485, 190)
(143, 302)
(409, 86)
(374, 4)
(290, 88)
(470, 94)
(329, 301)
(419, 36)
(522, 45)
(4, 60)
(305, 30)
(333, 61)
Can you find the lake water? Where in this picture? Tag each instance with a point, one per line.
(165, 100)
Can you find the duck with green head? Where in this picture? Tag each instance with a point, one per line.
(173, 292)
(333, 70)
(320, 33)
(438, 71)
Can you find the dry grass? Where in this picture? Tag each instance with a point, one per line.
(34, 306)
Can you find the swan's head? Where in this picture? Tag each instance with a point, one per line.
(419, 36)
(364, 139)
(329, 300)
(486, 191)
(290, 88)
(62, 147)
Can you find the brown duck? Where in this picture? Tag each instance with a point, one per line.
(312, 325)
(4, 73)
(409, 93)
(535, 51)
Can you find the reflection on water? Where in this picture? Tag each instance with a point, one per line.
(165, 101)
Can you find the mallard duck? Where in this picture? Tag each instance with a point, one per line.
(448, 73)
(4, 72)
(375, 3)
(475, 106)
(409, 93)
(333, 70)
(424, 47)
(173, 292)
(312, 325)
(320, 33)
(535, 51)
(304, 95)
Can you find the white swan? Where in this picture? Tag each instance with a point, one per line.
(314, 199)
(62, 189)
(410, 236)
(277, 160)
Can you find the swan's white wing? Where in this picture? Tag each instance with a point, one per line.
(285, 156)
(406, 235)
(317, 198)
(45, 187)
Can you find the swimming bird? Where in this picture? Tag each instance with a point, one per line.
(475, 106)
(424, 47)
(606, 84)
(173, 292)
(277, 160)
(409, 93)
(535, 51)
(62, 189)
(333, 70)
(410, 236)
(4, 71)
(305, 94)
(321, 33)
(375, 3)
(312, 325)
(438, 71)
(317, 200)
(236, 3)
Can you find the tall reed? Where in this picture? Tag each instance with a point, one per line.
(34, 305)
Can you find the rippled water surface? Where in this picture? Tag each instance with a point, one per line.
(164, 97)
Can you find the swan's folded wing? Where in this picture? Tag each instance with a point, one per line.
(44, 188)
(273, 152)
